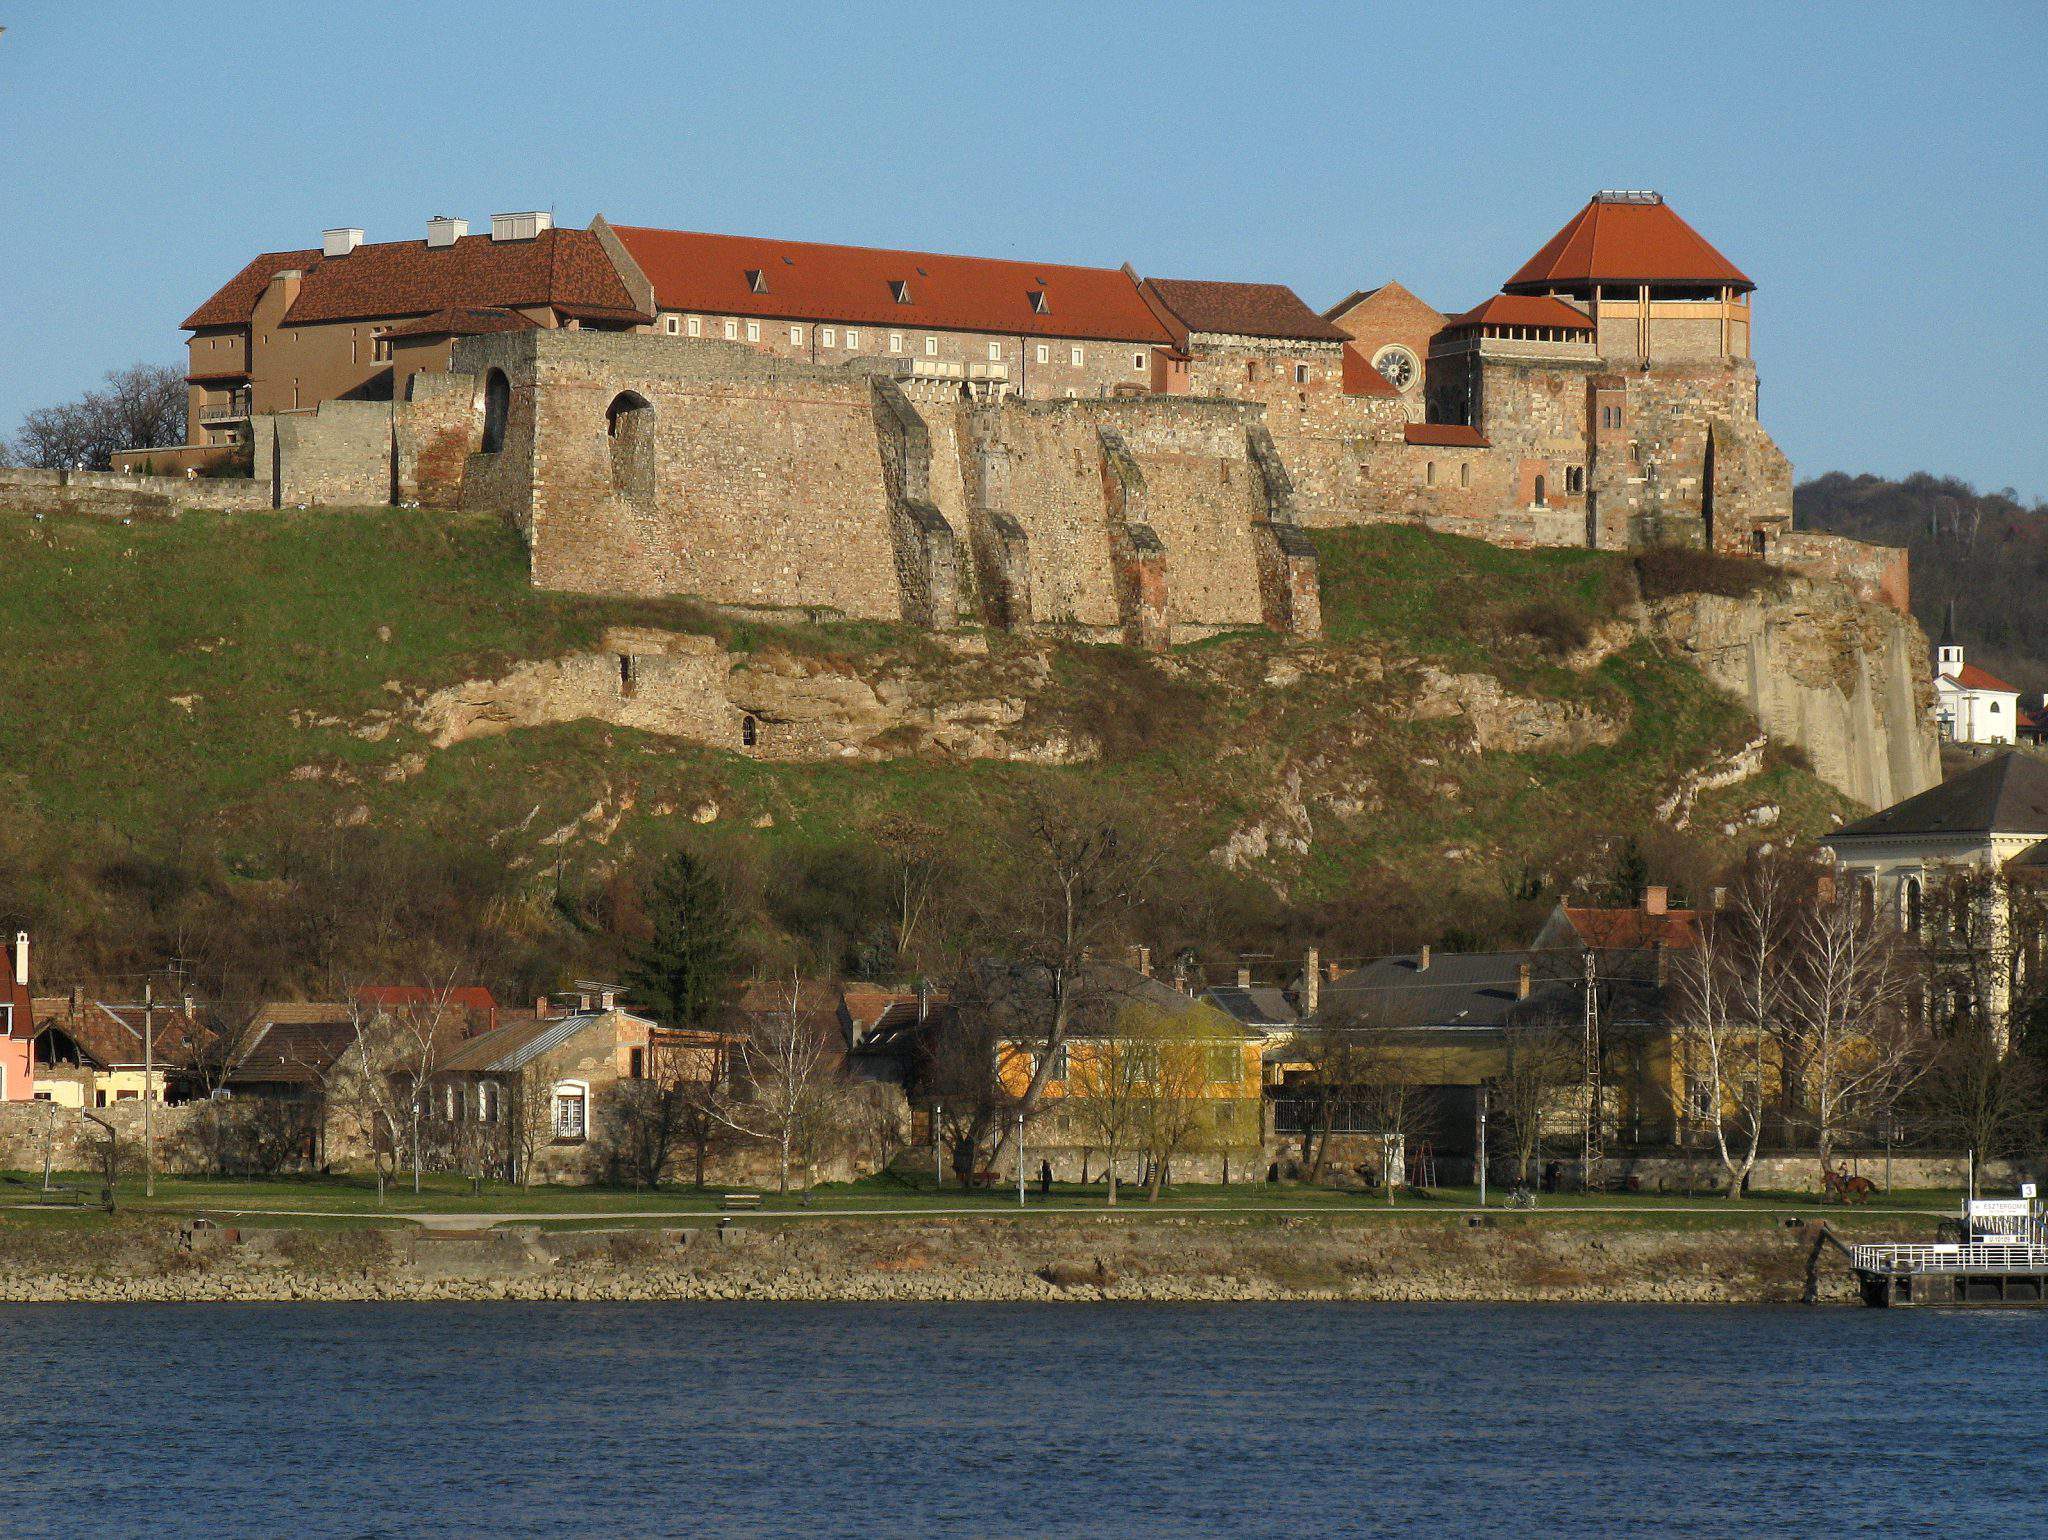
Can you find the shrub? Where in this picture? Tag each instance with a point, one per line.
(1668, 570)
(1557, 628)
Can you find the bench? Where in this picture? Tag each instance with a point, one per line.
(741, 1200)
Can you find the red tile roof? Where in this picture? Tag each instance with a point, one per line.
(463, 321)
(1242, 310)
(471, 999)
(1523, 310)
(566, 270)
(1971, 677)
(1450, 435)
(1361, 379)
(1635, 929)
(1627, 242)
(807, 281)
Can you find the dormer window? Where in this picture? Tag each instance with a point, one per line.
(1040, 305)
(757, 280)
(899, 290)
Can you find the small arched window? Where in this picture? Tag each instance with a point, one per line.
(1542, 493)
(750, 731)
(629, 429)
(1759, 542)
(1910, 892)
(497, 407)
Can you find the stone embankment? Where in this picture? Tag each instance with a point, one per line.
(1513, 1258)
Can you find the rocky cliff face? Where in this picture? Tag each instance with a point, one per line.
(1845, 681)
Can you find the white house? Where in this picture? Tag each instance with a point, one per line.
(1992, 819)
(1971, 705)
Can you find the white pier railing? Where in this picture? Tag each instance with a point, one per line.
(1952, 1257)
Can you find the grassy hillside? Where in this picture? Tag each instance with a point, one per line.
(202, 739)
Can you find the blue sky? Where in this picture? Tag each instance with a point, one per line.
(1877, 169)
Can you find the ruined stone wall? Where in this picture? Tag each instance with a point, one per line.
(767, 485)
(113, 495)
(1875, 574)
(435, 430)
(1689, 444)
(339, 454)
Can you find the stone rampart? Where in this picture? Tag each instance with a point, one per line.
(114, 495)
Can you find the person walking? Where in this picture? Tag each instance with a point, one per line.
(1045, 1179)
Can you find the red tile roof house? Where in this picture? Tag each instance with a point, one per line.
(354, 321)
(17, 1027)
(984, 324)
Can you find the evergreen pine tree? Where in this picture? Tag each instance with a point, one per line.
(684, 967)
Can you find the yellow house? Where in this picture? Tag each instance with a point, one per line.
(92, 1053)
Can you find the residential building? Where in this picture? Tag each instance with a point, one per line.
(536, 1099)
(17, 1027)
(979, 325)
(472, 1004)
(1649, 929)
(93, 1053)
(352, 321)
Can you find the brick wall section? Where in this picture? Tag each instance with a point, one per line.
(1876, 574)
(435, 431)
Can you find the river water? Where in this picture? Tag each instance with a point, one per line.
(880, 1420)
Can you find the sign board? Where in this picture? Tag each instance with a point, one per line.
(2026, 1189)
(2001, 1208)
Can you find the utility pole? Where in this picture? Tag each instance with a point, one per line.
(938, 1150)
(149, 1088)
(1590, 1150)
(1020, 1160)
(1482, 1146)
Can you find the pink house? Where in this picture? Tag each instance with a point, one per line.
(17, 1028)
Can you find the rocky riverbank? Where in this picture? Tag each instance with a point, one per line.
(1426, 1259)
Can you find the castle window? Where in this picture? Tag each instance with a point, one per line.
(1464, 473)
(1575, 479)
(899, 290)
(1760, 543)
(1251, 370)
(852, 338)
(671, 325)
(750, 731)
(1301, 374)
(995, 352)
(796, 336)
(895, 342)
(1077, 356)
(732, 331)
(628, 674)
(1137, 363)
(825, 335)
(1429, 474)
(753, 331)
(1044, 354)
(696, 327)
(629, 426)
(1542, 498)
(757, 280)
(931, 347)
(1040, 305)
(497, 406)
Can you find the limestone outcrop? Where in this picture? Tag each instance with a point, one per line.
(1844, 680)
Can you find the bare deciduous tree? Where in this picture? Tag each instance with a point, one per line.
(791, 1094)
(141, 407)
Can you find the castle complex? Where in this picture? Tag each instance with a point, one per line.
(949, 440)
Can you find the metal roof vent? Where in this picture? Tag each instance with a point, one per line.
(1627, 195)
(339, 243)
(443, 231)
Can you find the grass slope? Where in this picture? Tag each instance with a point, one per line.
(175, 680)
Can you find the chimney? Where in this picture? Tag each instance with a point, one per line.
(607, 1001)
(1422, 959)
(521, 227)
(1521, 981)
(1824, 888)
(1141, 959)
(21, 959)
(924, 999)
(1656, 900)
(1720, 899)
(339, 243)
(540, 1007)
(1244, 978)
(582, 1001)
(1312, 983)
(443, 231)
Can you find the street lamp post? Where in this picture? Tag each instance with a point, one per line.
(1020, 1160)
(1482, 1146)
